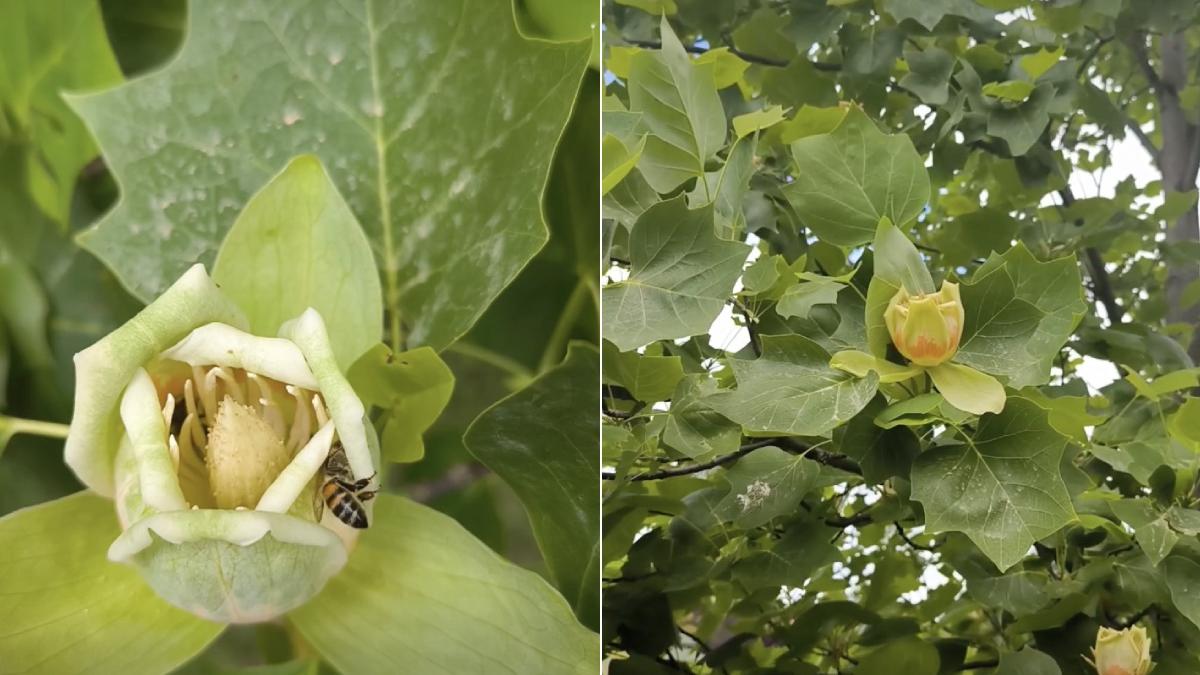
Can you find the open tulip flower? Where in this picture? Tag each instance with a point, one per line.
(926, 329)
(236, 473)
(212, 442)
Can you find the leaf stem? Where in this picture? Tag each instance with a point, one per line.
(566, 321)
(17, 425)
(494, 359)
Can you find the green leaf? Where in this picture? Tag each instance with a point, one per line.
(799, 300)
(728, 68)
(791, 389)
(803, 550)
(23, 311)
(695, 429)
(296, 245)
(69, 610)
(910, 656)
(1183, 581)
(766, 484)
(648, 378)
(915, 411)
(1022, 126)
(898, 262)
(846, 181)
(811, 121)
(1012, 90)
(968, 389)
(1035, 65)
(542, 441)
(618, 161)
(929, 13)
(1019, 313)
(411, 387)
(1151, 529)
(364, 97)
(655, 7)
(882, 453)
(1028, 661)
(1002, 487)
(928, 75)
(679, 104)
(1175, 205)
(744, 125)
(679, 279)
(47, 48)
(423, 592)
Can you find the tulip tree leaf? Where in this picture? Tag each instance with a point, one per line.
(412, 388)
(929, 75)
(1019, 313)
(791, 389)
(542, 441)
(680, 106)
(1028, 661)
(1002, 487)
(679, 278)
(929, 13)
(798, 300)
(449, 194)
(296, 245)
(69, 609)
(909, 655)
(765, 484)
(695, 429)
(847, 180)
(648, 378)
(425, 593)
(47, 48)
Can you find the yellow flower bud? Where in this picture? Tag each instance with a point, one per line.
(926, 328)
(1122, 652)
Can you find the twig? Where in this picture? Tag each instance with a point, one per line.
(1101, 284)
(789, 444)
(921, 547)
(978, 665)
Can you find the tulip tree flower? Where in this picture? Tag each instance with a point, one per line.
(925, 326)
(1121, 652)
(926, 329)
(211, 441)
(205, 434)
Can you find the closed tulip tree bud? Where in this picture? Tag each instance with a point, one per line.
(1122, 652)
(926, 329)
(212, 442)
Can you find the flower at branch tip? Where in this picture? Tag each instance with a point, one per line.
(926, 329)
(1122, 652)
(213, 443)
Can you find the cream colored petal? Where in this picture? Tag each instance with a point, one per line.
(218, 344)
(103, 370)
(349, 416)
(142, 417)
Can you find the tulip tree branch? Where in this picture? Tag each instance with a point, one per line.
(785, 443)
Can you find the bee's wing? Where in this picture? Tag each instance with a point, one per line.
(318, 501)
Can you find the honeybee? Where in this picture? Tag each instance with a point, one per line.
(340, 492)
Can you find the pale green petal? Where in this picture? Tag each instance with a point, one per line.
(103, 370)
(968, 389)
(218, 344)
(349, 416)
(67, 610)
(233, 566)
(421, 595)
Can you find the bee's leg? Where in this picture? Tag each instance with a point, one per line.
(366, 496)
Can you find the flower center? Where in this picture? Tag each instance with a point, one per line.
(234, 432)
